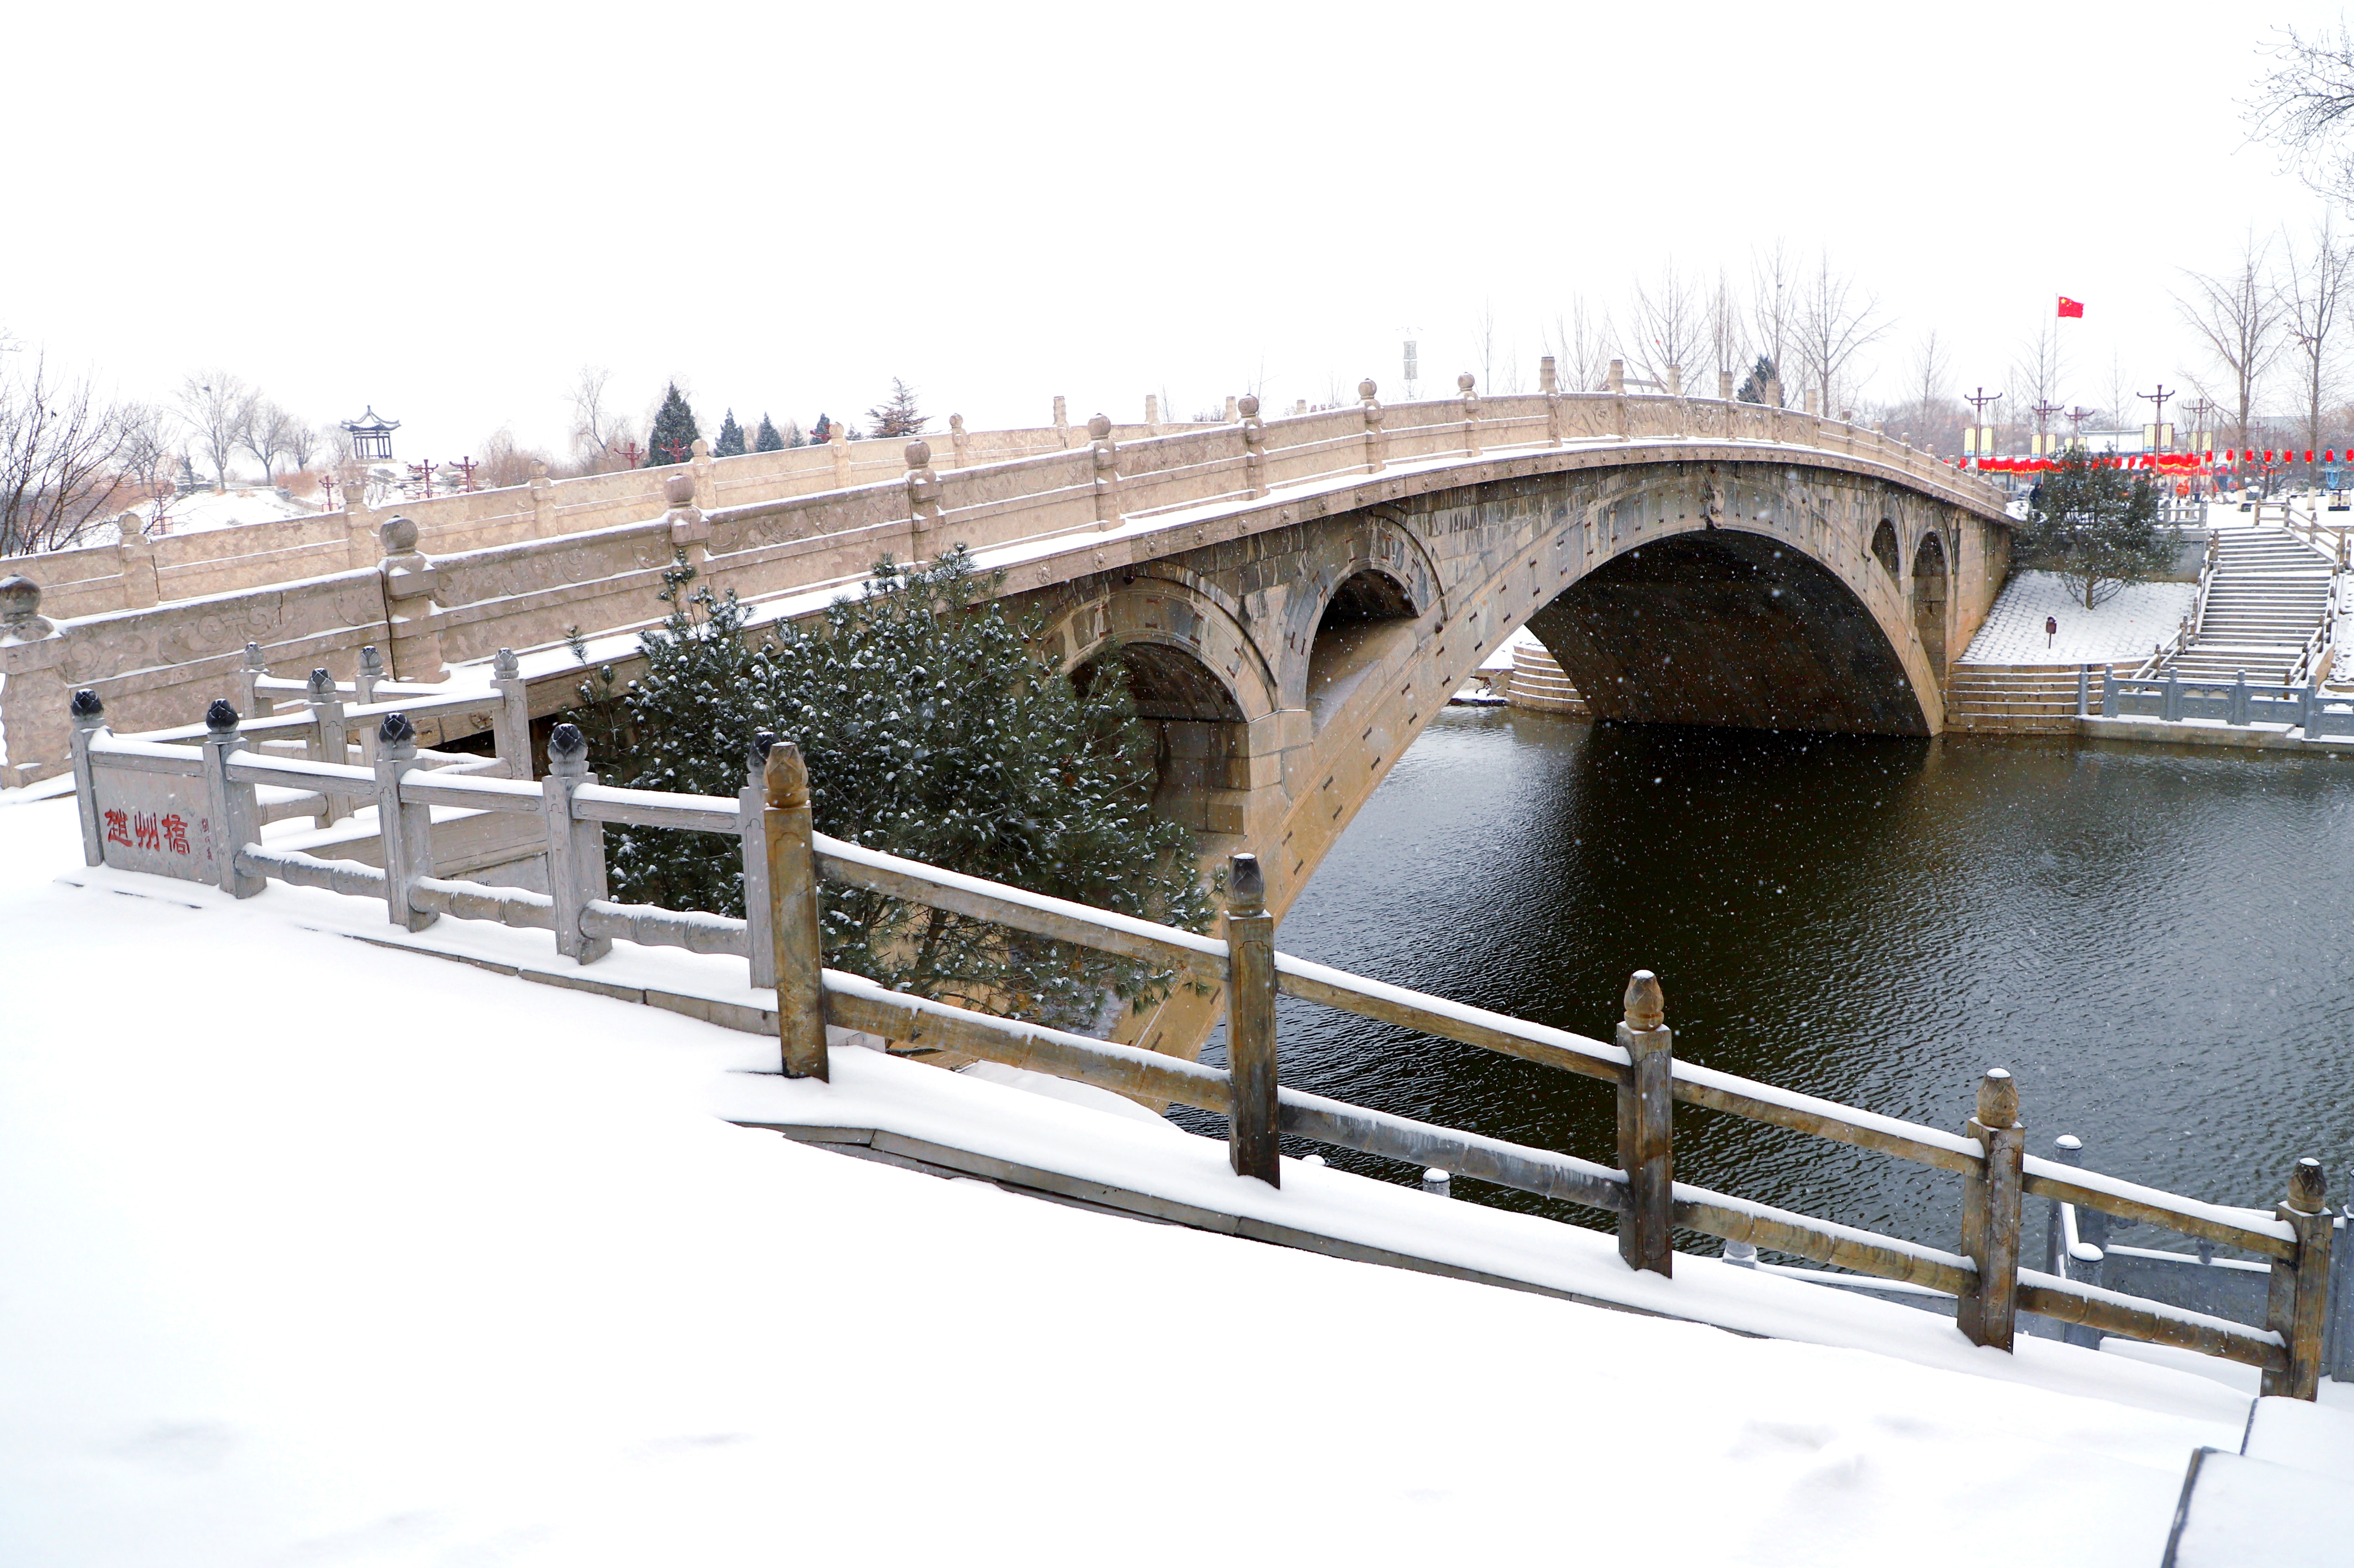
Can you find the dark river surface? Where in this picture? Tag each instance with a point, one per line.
(2155, 941)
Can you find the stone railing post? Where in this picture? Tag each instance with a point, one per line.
(794, 913)
(236, 821)
(959, 440)
(34, 703)
(362, 543)
(371, 675)
(1992, 1196)
(1675, 380)
(1064, 435)
(576, 849)
(1254, 448)
(1725, 386)
(838, 441)
(1548, 383)
(406, 830)
(752, 841)
(543, 502)
(690, 530)
(413, 621)
(2235, 706)
(923, 502)
(135, 557)
(2296, 1306)
(1466, 389)
(329, 741)
(1377, 447)
(246, 684)
(1615, 383)
(89, 715)
(511, 723)
(1152, 412)
(1646, 1127)
(1253, 1146)
(707, 488)
(1107, 466)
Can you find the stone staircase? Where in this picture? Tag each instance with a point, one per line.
(1541, 685)
(2266, 599)
(2021, 699)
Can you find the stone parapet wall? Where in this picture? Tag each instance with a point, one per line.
(824, 515)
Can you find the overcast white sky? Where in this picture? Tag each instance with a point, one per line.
(446, 210)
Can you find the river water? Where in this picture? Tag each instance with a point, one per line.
(2154, 940)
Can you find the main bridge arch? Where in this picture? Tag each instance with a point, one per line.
(1290, 665)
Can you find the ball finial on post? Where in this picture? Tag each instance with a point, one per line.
(1646, 1003)
(1245, 886)
(86, 708)
(786, 775)
(2308, 1186)
(1998, 1098)
(221, 716)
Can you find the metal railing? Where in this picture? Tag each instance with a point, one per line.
(215, 781)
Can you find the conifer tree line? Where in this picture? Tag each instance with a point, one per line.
(937, 727)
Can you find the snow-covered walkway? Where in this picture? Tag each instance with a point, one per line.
(322, 1252)
(2140, 617)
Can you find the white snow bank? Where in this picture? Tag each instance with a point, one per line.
(2128, 626)
(319, 1251)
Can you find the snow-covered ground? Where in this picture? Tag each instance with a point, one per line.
(2128, 625)
(318, 1251)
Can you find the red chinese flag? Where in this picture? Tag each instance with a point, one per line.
(2069, 307)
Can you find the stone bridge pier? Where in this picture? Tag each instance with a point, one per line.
(1286, 665)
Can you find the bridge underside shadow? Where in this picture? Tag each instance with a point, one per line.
(1728, 628)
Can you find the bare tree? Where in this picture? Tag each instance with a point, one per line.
(1931, 415)
(58, 469)
(1581, 344)
(2035, 372)
(2237, 317)
(213, 404)
(267, 431)
(148, 451)
(2302, 106)
(598, 430)
(1483, 342)
(1670, 326)
(2312, 296)
(1834, 323)
(1728, 333)
(1774, 293)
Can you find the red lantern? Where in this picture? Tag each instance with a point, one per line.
(2308, 457)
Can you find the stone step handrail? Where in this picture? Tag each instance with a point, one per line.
(124, 785)
(534, 593)
(2173, 697)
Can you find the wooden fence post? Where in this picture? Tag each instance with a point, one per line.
(1646, 1130)
(1253, 1148)
(794, 913)
(407, 830)
(2297, 1308)
(576, 851)
(89, 716)
(1992, 1197)
(510, 724)
(751, 801)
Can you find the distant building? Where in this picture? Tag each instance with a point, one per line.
(371, 435)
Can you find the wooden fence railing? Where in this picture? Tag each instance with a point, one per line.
(212, 788)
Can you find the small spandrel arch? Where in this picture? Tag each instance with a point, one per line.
(1883, 548)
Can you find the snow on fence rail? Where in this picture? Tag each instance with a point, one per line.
(156, 804)
(2173, 698)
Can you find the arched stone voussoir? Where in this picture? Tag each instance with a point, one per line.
(1165, 607)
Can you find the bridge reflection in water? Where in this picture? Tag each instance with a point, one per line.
(2155, 943)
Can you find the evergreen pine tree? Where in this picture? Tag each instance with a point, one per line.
(936, 728)
(767, 440)
(2095, 528)
(675, 433)
(1759, 381)
(896, 415)
(731, 438)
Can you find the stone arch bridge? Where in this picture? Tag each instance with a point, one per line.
(1293, 597)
